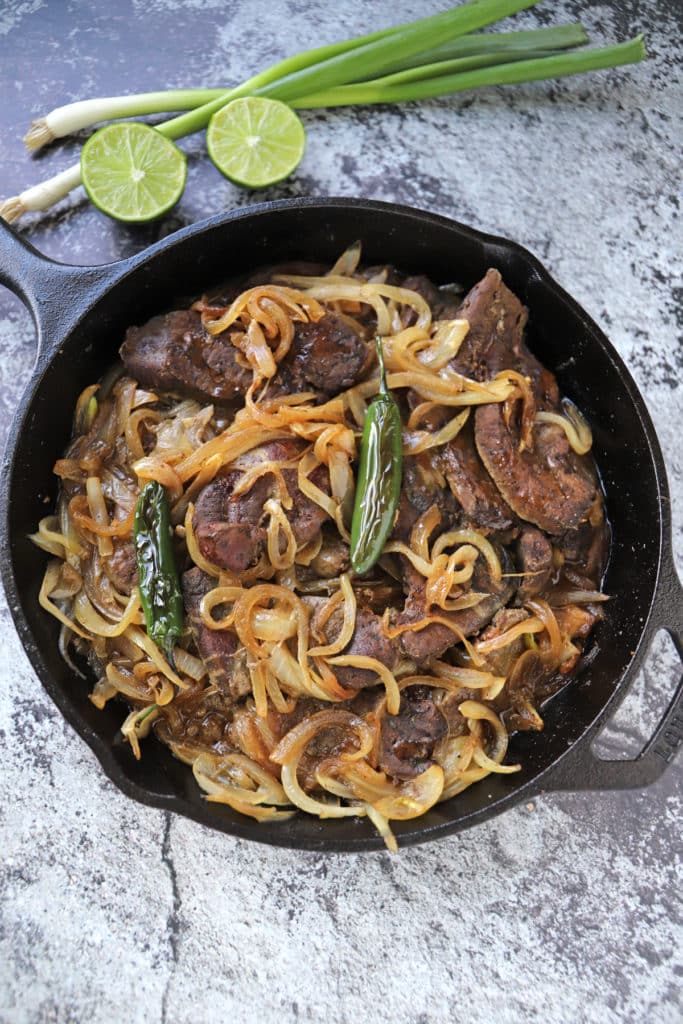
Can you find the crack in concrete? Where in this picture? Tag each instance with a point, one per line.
(173, 920)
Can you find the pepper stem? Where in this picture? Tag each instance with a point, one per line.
(383, 390)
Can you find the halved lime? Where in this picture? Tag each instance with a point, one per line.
(131, 172)
(255, 141)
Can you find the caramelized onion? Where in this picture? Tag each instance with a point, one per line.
(574, 425)
(128, 434)
(346, 595)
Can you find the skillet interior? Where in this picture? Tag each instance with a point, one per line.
(559, 333)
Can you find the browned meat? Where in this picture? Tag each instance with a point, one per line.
(229, 528)
(175, 353)
(419, 491)
(121, 567)
(585, 551)
(379, 593)
(408, 739)
(547, 484)
(219, 649)
(305, 517)
(575, 621)
(445, 304)
(494, 341)
(449, 706)
(535, 557)
(326, 744)
(501, 661)
(524, 684)
(434, 639)
(327, 356)
(198, 717)
(333, 558)
(474, 489)
(368, 640)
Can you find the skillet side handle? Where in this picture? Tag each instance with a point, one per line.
(55, 293)
(585, 770)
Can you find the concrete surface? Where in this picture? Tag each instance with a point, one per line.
(564, 910)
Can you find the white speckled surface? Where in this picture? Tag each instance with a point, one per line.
(567, 910)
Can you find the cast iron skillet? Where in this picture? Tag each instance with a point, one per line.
(80, 315)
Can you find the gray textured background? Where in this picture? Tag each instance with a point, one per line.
(564, 910)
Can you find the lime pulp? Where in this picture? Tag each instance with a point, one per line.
(132, 173)
(255, 141)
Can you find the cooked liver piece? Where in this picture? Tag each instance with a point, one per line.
(368, 640)
(121, 567)
(218, 649)
(229, 528)
(409, 738)
(547, 484)
(435, 639)
(174, 352)
(534, 556)
(444, 304)
(418, 494)
(327, 356)
(474, 489)
(333, 558)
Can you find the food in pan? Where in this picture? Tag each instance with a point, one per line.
(332, 535)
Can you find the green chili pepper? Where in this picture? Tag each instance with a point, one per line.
(379, 476)
(160, 594)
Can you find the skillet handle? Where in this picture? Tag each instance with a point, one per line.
(55, 293)
(586, 771)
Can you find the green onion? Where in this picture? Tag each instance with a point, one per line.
(324, 67)
(74, 117)
(351, 64)
(557, 66)
(439, 69)
(430, 57)
(563, 37)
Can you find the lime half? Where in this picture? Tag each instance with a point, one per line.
(131, 172)
(255, 141)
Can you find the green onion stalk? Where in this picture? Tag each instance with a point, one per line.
(75, 117)
(435, 56)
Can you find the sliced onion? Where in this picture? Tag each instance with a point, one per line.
(415, 442)
(145, 643)
(279, 526)
(99, 626)
(348, 596)
(290, 784)
(384, 673)
(475, 539)
(98, 512)
(137, 726)
(50, 580)
(475, 711)
(576, 428)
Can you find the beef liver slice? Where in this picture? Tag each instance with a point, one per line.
(174, 352)
(547, 484)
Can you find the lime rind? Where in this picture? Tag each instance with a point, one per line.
(132, 173)
(255, 141)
